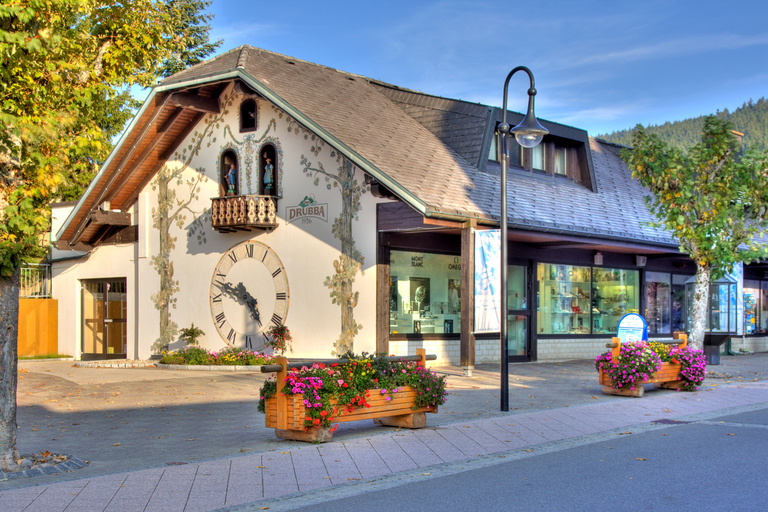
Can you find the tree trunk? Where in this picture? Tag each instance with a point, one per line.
(699, 309)
(9, 321)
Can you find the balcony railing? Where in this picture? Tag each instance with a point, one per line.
(243, 213)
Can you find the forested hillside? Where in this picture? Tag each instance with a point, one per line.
(751, 119)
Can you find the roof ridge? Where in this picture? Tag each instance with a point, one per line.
(243, 57)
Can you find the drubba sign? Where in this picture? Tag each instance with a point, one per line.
(632, 327)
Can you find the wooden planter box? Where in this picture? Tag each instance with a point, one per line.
(667, 377)
(398, 412)
(286, 414)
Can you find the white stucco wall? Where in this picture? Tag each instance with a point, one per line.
(306, 250)
(105, 262)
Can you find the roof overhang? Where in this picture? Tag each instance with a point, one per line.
(169, 114)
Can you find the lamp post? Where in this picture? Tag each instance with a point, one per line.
(528, 134)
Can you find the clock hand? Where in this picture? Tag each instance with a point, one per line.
(240, 294)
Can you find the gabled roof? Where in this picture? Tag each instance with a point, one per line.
(428, 151)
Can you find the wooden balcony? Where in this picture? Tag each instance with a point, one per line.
(243, 213)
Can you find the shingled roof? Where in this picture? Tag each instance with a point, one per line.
(430, 151)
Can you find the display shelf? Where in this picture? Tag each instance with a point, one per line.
(583, 307)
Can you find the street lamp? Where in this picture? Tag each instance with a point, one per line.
(528, 134)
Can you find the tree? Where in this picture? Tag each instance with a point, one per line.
(713, 200)
(190, 25)
(58, 59)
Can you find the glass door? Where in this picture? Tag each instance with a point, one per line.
(518, 313)
(104, 319)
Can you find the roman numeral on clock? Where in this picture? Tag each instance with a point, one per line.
(216, 298)
(231, 335)
(281, 296)
(249, 342)
(233, 257)
(276, 319)
(221, 319)
(277, 272)
(249, 251)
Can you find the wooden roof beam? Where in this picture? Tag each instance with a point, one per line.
(150, 147)
(161, 161)
(195, 102)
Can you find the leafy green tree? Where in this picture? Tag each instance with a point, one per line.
(713, 199)
(59, 61)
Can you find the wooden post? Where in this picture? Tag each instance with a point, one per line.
(615, 351)
(382, 297)
(467, 343)
(681, 336)
(282, 401)
(422, 353)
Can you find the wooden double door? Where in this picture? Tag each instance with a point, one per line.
(105, 305)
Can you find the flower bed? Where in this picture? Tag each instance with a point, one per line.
(192, 355)
(313, 398)
(628, 366)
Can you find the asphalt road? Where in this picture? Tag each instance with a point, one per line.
(714, 464)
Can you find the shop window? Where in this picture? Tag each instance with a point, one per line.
(583, 300)
(425, 293)
(229, 174)
(657, 302)
(248, 115)
(268, 170)
(751, 299)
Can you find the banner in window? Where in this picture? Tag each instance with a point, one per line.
(487, 281)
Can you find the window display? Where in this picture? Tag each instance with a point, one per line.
(751, 296)
(657, 303)
(583, 300)
(425, 293)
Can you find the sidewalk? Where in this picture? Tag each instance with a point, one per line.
(550, 402)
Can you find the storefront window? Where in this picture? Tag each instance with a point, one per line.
(564, 299)
(583, 300)
(657, 302)
(425, 293)
(751, 296)
(678, 303)
(617, 292)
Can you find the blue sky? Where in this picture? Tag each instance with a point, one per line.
(599, 65)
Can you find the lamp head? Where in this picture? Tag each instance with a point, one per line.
(529, 132)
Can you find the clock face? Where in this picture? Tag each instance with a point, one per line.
(249, 294)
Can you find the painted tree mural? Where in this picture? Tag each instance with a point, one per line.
(170, 211)
(350, 260)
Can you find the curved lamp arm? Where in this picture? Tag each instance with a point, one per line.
(529, 132)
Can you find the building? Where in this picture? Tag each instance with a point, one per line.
(256, 188)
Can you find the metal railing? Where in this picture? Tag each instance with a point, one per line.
(35, 281)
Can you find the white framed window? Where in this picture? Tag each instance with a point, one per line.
(560, 161)
(537, 157)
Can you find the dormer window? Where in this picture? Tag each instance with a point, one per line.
(538, 159)
(229, 180)
(560, 161)
(248, 115)
(494, 152)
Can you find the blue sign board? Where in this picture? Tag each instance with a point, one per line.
(632, 327)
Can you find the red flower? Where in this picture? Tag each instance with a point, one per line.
(345, 385)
